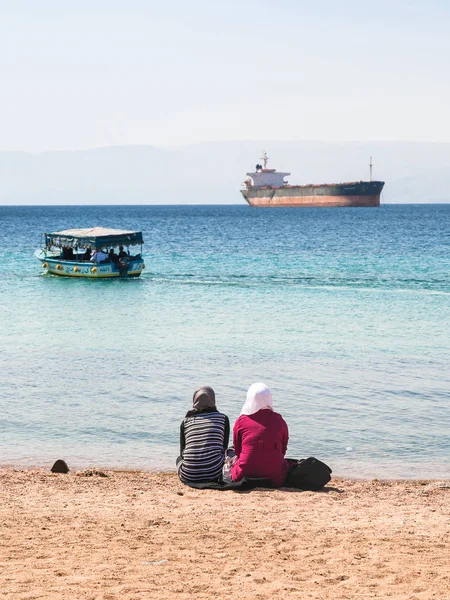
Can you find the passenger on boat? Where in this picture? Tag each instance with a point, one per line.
(67, 253)
(99, 256)
(122, 253)
(113, 256)
(260, 438)
(87, 254)
(204, 435)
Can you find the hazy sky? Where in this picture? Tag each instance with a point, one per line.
(99, 72)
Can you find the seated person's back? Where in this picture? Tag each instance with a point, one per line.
(260, 438)
(204, 435)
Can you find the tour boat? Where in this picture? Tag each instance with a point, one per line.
(96, 253)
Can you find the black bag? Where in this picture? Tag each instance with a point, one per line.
(307, 474)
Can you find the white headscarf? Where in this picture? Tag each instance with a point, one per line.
(258, 398)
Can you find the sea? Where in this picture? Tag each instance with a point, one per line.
(343, 313)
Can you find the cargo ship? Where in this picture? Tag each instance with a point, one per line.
(268, 187)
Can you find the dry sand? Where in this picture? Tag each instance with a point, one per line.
(134, 535)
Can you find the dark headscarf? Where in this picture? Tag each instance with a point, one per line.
(204, 400)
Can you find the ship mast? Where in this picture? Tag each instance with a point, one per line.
(264, 158)
(370, 168)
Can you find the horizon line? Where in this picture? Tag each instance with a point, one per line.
(244, 205)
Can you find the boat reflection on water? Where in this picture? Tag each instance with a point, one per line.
(96, 253)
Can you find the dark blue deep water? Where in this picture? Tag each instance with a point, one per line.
(344, 313)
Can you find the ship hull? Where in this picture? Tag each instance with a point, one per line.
(353, 194)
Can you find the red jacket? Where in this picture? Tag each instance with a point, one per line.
(260, 442)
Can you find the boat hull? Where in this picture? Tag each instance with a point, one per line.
(69, 268)
(357, 194)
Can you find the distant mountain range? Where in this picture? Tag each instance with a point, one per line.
(211, 173)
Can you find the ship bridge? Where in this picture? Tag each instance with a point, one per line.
(262, 176)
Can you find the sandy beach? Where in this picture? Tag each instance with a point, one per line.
(113, 534)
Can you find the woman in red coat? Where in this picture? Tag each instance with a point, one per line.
(260, 438)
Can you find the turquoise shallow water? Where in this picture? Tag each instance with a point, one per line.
(344, 313)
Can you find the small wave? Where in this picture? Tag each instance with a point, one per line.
(308, 281)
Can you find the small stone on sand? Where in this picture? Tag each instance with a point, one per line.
(60, 466)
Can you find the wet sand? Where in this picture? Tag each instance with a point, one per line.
(135, 535)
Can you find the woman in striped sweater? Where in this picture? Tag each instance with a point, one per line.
(204, 436)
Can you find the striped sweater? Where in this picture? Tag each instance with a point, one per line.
(203, 440)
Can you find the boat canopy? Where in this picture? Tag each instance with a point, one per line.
(96, 237)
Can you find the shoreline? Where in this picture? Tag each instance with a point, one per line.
(168, 472)
(131, 534)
